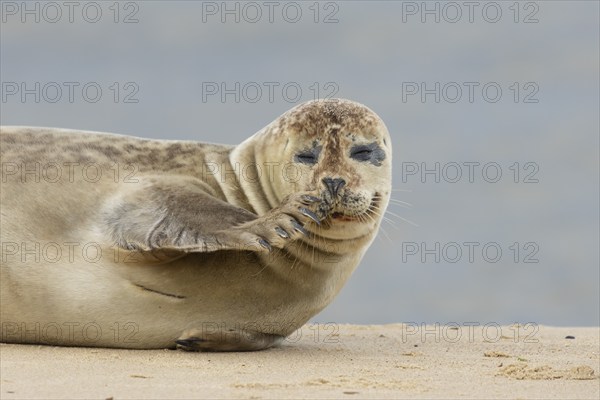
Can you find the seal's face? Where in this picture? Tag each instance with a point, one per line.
(342, 150)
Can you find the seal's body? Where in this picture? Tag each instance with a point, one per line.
(116, 241)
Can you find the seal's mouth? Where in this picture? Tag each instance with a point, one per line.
(338, 216)
(364, 216)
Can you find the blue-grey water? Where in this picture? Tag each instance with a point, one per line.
(487, 88)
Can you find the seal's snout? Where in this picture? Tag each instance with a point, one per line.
(334, 185)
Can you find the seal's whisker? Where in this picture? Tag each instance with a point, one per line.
(390, 221)
(367, 217)
(395, 201)
(312, 261)
(374, 210)
(259, 272)
(401, 203)
(363, 217)
(323, 241)
(402, 218)
(294, 263)
(297, 258)
(382, 229)
(386, 234)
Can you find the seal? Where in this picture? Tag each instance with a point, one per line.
(117, 241)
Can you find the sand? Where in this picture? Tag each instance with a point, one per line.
(326, 362)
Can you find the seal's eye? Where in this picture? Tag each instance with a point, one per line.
(306, 158)
(368, 152)
(362, 154)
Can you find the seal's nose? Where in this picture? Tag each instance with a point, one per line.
(334, 185)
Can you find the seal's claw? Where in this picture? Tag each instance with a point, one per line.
(298, 226)
(310, 214)
(265, 244)
(281, 232)
(307, 198)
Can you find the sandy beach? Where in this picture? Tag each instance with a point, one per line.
(327, 361)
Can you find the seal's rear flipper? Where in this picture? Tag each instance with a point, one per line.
(227, 340)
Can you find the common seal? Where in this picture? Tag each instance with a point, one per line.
(117, 241)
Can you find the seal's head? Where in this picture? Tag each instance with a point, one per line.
(338, 148)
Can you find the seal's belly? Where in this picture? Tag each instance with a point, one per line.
(140, 305)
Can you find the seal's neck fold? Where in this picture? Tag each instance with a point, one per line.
(255, 170)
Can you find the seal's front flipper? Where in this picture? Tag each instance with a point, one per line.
(294, 218)
(165, 217)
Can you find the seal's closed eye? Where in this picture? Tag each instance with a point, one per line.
(362, 153)
(368, 152)
(308, 156)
